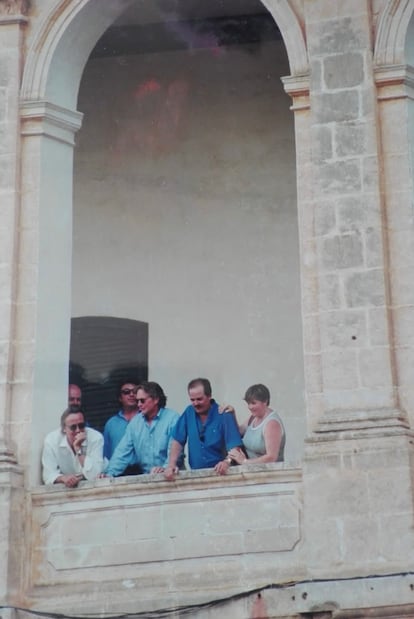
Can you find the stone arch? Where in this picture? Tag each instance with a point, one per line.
(391, 40)
(72, 29)
(292, 35)
(58, 48)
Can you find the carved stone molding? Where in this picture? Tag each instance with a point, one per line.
(6, 455)
(297, 87)
(394, 82)
(392, 31)
(14, 7)
(50, 120)
(354, 424)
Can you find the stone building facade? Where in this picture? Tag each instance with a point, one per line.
(330, 531)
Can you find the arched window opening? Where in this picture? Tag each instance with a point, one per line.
(185, 200)
(103, 352)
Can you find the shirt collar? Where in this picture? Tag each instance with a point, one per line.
(157, 416)
(64, 441)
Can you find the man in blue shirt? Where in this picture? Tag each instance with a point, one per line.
(116, 425)
(147, 438)
(210, 435)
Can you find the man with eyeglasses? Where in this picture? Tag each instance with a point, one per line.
(72, 453)
(147, 439)
(210, 435)
(116, 425)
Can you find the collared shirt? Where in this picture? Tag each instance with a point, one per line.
(144, 443)
(208, 443)
(58, 457)
(114, 430)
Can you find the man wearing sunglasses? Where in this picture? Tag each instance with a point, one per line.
(147, 439)
(116, 425)
(72, 453)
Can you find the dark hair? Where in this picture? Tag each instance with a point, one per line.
(257, 392)
(66, 414)
(204, 382)
(154, 390)
(123, 382)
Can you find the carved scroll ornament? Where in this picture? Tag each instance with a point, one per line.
(14, 7)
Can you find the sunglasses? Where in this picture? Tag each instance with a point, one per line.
(141, 400)
(74, 426)
(128, 391)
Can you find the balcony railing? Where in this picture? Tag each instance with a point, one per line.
(118, 545)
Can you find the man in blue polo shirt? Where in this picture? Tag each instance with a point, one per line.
(116, 425)
(148, 436)
(210, 435)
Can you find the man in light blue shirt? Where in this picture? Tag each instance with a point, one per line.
(116, 425)
(148, 436)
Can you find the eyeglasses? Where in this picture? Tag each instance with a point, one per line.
(128, 391)
(142, 400)
(74, 426)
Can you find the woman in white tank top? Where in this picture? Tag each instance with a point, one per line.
(264, 435)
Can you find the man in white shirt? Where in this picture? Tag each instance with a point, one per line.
(72, 453)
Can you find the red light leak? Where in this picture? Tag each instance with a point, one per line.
(157, 121)
(259, 610)
(146, 88)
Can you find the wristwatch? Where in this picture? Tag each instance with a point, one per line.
(228, 460)
(79, 452)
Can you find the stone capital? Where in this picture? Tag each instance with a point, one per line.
(394, 82)
(50, 120)
(297, 87)
(7, 457)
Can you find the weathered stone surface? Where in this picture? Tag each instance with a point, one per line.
(14, 7)
(322, 142)
(3, 104)
(374, 249)
(375, 367)
(350, 139)
(357, 212)
(342, 252)
(337, 35)
(340, 177)
(325, 217)
(340, 370)
(190, 520)
(365, 288)
(336, 107)
(330, 291)
(344, 329)
(343, 70)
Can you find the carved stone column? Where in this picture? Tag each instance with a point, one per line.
(359, 450)
(395, 92)
(44, 298)
(13, 18)
(12, 21)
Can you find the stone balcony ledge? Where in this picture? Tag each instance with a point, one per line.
(159, 536)
(279, 473)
